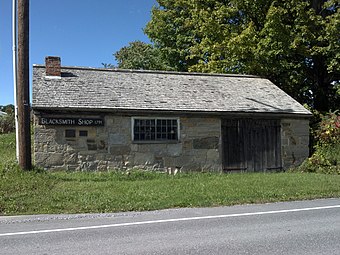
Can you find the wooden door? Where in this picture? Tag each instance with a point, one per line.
(251, 145)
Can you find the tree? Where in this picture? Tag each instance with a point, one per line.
(173, 30)
(9, 109)
(7, 122)
(294, 43)
(140, 55)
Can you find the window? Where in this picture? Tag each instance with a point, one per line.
(82, 132)
(70, 133)
(157, 129)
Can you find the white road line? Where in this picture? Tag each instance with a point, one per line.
(168, 220)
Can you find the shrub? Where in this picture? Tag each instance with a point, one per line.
(328, 132)
(7, 123)
(326, 156)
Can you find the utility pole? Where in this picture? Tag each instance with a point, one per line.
(24, 134)
(15, 67)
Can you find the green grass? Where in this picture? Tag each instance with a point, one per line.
(7, 151)
(39, 192)
(61, 192)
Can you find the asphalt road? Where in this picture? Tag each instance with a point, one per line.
(303, 227)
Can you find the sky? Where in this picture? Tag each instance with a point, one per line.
(81, 32)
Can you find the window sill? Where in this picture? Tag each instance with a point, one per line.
(156, 142)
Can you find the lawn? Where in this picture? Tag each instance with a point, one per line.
(39, 192)
(7, 151)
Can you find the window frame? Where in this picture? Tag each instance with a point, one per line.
(83, 133)
(68, 131)
(155, 141)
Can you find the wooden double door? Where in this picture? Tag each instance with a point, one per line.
(251, 145)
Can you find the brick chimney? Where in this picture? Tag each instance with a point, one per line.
(53, 67)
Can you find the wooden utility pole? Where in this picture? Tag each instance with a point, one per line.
(24, 134)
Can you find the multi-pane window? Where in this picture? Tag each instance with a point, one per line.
(83, 132)
(70, 133)
(155, 129)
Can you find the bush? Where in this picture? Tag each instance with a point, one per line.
(326, 159)
(7, 124)
(326, 156)
(328, 132)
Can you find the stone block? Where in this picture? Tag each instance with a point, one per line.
(117, 139)
(192, 167)
(159, 162)
(120, 150)
(213, 155)
(51, 148)
(285, 124)
(293, 140)
(170, 161)
(101, 156)
(70, 148)
(71, 158)
(206, 143)
(180, 161)
(174, 149)
(71, 167)
(109, 121)
(40, 157)
(113, 165)
(304, 140)
(91, 146)
(144, 158)
(101, 145)
(46, 135)
(301, 130)
(187, 145)
(211, 166)
(284, 141)
(57, 168)
(90, 157)
(92, 166)
(102, 165)
(134, 147)
(54, 159)
(156, 148)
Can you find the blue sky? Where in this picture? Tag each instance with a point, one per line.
(81, 32)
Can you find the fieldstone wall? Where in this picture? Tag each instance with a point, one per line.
(111, 147)
(294, 141)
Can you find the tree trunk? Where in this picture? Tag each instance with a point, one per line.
(321, 85)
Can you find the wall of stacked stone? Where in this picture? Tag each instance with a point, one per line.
(294, 141)
(111, 147)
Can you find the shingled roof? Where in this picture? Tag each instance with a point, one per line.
(96, 89)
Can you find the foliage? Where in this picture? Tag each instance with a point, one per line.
(7, 108)
(326, 156)
(325, 159)
(294, 43)
(108, 65)
(329, 129)
(7, 123)
(140, 55)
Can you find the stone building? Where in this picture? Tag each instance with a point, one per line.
(103, 119)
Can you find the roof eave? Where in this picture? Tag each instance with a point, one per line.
(169, 111)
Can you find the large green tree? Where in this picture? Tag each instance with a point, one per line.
(140, 55)
(295, 43)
